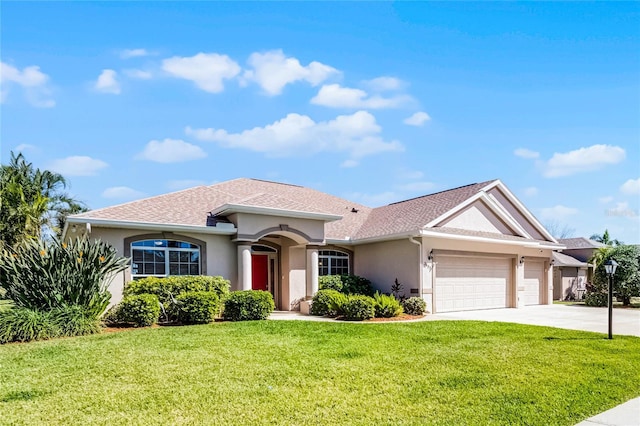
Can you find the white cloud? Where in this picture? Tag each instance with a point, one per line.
(357, 134)
(605, 200)
(417, 119)
(526, 153)
(384, 83)
(134, 53)
(416, 186)
(122, 193)
(34, 82)
(558, 212)
(138, 74)
(583, 160)
(273, 71)
(207, 70)
(171, 151)
(23, 147)
(622, 210)
(349, 164)
(78, 165)
(631, 187)
(336, 96)
(108, 82)
(531, 191)
(176, 185)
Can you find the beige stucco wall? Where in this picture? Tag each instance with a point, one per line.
(221, 254)
(250, 225)
(383, 262)
(477, 217)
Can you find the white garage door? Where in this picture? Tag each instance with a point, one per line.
(533, 279)
(467, 283)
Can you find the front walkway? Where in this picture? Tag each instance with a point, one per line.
(627, 414)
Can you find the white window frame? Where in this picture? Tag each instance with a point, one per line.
(328, 257)
(166, 251)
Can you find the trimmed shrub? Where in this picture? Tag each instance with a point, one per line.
(328, 303)
(24, 325)
(248, 305)
(414, 306)
(48, 275)
(347, 284)
(198, 307)
(596, 299)
(169, 288)
(386, 306)
(330, 282)
(139, 310)
(353, 284)
(358, 308)
(74, 321)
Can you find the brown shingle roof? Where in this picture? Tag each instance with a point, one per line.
(562, 259)
(192, 206)
(413, 214)
(580, 243)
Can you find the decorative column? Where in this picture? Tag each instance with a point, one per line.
(244, 266)
(312, 271)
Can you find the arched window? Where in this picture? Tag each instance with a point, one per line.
(160, 258)
(333, 262)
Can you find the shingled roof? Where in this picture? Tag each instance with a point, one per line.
(413, 214)
(193, 206)
(580, 243)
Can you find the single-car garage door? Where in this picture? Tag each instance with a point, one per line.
(533, 279)
(467, 283)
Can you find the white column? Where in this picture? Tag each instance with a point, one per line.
(312, 271)
(519, 285)
(244, 267)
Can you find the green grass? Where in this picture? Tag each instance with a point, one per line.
(5, 304)
(299, 373)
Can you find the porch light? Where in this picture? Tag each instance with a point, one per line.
(430, 257)
(610, 267)
(522, 260)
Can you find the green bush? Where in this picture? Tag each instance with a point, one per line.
(42, 276)
(347, 284)
(328, 303)
(24, 325)
(626, 281)
(138, 310)
(358, 308)
(596, 299)
(74, 321)
(169, 288)
(330, 282)
(198, 307)
(248, 305)
(414, 306)
(386, 306)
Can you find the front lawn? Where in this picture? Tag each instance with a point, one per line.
(298, 372)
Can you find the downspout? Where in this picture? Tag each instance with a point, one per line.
(420, 282)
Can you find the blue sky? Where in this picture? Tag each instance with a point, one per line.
(374, 102)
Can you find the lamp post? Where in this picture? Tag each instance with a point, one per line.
(610, 267)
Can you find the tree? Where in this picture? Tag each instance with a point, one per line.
(32, 200)
(606, 239)
(559, 230)
(626, 281)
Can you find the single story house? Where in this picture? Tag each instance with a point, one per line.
(571, 268)
(472, 247)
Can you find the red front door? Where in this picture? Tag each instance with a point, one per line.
(259, 272)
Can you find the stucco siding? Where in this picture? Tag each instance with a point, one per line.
(221, 255)
(383, 262)
(478, 217)
(515, 213)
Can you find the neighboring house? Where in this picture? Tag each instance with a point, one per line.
(571, 268)
(473, 247)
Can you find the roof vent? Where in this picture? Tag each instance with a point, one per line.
(354, 210)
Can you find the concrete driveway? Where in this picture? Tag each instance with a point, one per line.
(625, 321)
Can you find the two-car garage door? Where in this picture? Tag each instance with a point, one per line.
(467, 283)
